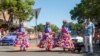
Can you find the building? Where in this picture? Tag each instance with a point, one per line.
(4, 21)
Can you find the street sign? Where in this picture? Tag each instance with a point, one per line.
(36, 12)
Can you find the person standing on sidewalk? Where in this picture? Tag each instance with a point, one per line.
(89, 30)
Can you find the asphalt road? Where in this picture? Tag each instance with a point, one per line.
(35, 51)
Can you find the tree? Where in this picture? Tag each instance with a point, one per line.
(86, 9)
(79, 28)
(31, 30)
(72, 25)
(76, 28)
(21, 9)
(54, 28)
(24, 9)
(41, 27)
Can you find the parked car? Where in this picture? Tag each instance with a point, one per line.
(78, 43)
(9, 39)
(78, 39)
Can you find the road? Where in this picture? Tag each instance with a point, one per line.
(35, 51)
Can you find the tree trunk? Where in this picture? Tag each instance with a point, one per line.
(10, 21)
(21, 23)
(4, 17)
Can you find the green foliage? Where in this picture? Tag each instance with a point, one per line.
(77, 27)
(54, 28)
(22, 9)
(31, 30)
(72, 25)
(86, 9)
(41, 27)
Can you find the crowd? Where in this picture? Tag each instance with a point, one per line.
(49, 40)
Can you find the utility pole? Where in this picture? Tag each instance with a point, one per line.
(36, 13)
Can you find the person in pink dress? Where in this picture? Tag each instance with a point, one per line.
(65, 40)
(22, 40)
(47, 38)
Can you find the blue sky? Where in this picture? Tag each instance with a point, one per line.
(54, 11)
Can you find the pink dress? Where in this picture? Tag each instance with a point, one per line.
(21, 41)
(47, 39)
(65, 40)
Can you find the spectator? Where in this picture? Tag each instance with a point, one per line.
(89, 30)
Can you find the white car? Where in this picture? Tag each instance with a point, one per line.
(79, 39)
(78, 43)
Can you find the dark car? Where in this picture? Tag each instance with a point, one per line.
(9, 39)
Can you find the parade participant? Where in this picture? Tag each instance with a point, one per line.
(65, 40)
(21, 40)
(89, 34)
(47, 38)
(24, 43)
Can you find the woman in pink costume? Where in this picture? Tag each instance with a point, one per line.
(47, 38)
(65, 40)
(21, 40)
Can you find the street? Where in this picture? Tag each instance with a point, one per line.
(35, 51)
(32, 53)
